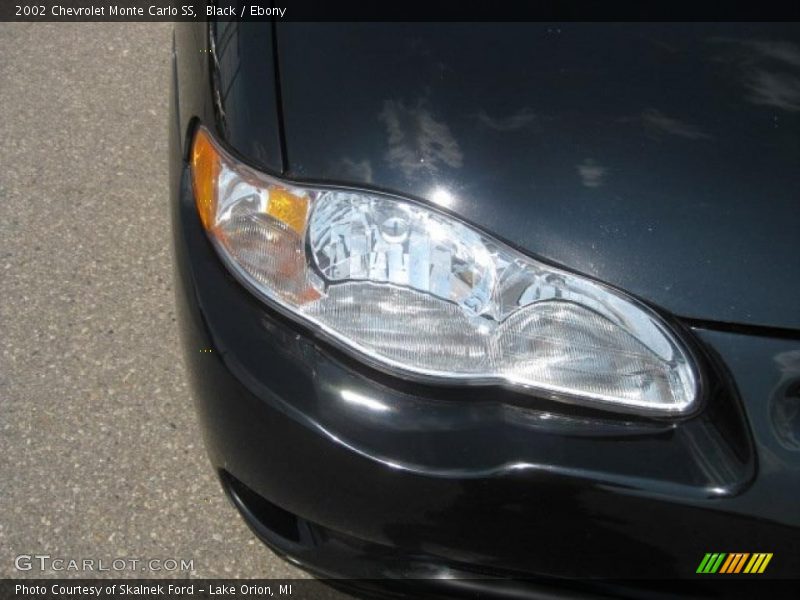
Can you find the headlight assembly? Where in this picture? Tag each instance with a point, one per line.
(416, 292)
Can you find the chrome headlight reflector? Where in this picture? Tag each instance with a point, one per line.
(419, 293)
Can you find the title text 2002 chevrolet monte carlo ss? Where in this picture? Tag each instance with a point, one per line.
(496, 301)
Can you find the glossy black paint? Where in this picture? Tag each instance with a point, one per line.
(422, 479)
(662, 159)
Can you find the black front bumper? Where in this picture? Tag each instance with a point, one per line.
(351, 473)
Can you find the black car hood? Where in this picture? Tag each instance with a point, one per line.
(664, 160)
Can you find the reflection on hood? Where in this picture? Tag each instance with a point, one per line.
(417, 141)
(770, 71)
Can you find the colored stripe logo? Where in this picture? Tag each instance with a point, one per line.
(734, 562)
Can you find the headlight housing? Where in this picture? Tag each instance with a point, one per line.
(417, 292)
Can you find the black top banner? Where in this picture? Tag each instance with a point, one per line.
(389, 10)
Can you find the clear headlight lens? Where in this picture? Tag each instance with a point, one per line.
(415, 291)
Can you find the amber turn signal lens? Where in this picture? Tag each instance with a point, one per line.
(288, 208)
(205, 172)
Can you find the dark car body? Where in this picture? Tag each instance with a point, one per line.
(663, 160)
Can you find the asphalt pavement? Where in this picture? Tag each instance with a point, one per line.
(101, 456)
